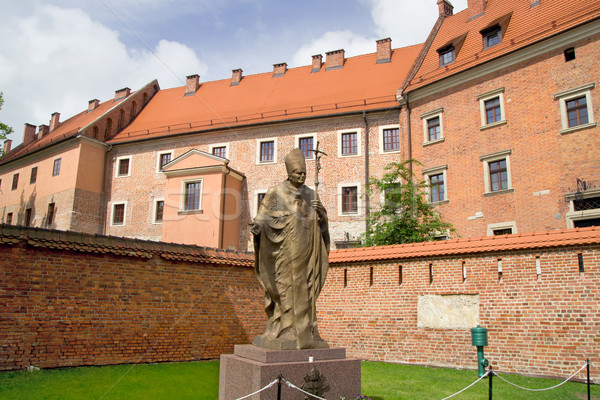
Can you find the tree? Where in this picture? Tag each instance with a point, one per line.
(403, 215)
(5, 130)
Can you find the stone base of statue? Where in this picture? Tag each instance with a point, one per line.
(251, 368)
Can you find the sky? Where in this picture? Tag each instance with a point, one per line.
(56, 55)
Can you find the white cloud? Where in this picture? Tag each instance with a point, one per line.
(58, 59)
(352, 44)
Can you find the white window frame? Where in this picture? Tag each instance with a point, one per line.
(112, 212)
(571, 94)
(258, 144)
(486, 160)
(489, 96)
(184, 182)
(358, 198)
(160, 153)
(226, 145)
(154, 207)
(425, 117)
(573, 215)
(383, 128)
(118, 164)
(501, 225)
(358, 132)
(254, 210)
(427, 173)
(304, 136)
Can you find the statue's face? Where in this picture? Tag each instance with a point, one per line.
(297, 177)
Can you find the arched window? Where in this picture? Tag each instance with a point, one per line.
(97, 133)
(108, 130)
(133, 110)
(121, 119)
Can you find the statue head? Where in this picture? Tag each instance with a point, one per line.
(296, 167)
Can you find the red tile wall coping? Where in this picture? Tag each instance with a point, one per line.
(545, 239)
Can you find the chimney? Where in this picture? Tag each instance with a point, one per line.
(384, 51)
(43, 131)
(28, 134)
(7, 145)
(54, 121)
(191, 84)
(317, 62)
(335, 59)
(122, 93)
(236, 76)
(446, 9)
(476, 8)
(279, 70)
(93, 104)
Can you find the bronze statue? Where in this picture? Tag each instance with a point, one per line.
(291, 244)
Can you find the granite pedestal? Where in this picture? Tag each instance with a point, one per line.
(251, 368)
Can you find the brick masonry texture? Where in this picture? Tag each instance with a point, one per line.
(73, 299)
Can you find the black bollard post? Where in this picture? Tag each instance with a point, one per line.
(588, 378)
(491, 372)
(279, 388)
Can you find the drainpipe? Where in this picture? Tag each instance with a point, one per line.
(103, 204)
(408, 133)
(367, 202)
(221, 236)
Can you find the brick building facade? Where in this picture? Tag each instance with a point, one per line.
(483, 104)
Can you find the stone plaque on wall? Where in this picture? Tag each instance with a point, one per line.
(457, 311)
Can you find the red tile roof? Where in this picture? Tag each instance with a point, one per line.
(546, 239)
(361, 84)
(66, 129)
(526, 26)
(74, 241)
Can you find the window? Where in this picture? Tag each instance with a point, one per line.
(569, 54)
(391, 139)
(123, 166)
(9, 218)
(15, 182)
(192, 195)
(159, 208)
(56, 167)
(502, 228)
(267, 151)
(306, 144)
(577, 112)
(436, 188)
(118, 214)
(436, 179)
(392, 196)
(348, 199)
(50, 214)
(28, 217)
(492, 108)
(575, 108)
(33, 176)
(259, 196)
(497, 176)
(447, 55)
(220, 151)
(164, 158)
(432, 127)
(584, 208)
(491, 36)
(349, 143)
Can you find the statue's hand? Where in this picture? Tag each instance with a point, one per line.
(320, 209)
(255, 228)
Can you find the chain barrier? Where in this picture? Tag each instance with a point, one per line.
(291, 385)
(259, 390)
(541, 390)
(468, 387)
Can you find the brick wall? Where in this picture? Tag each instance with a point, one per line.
(77, 307)
(74, 299)
(539, 325)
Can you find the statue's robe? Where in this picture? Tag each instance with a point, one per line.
(291, 262)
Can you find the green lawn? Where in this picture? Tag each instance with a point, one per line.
(199, 380)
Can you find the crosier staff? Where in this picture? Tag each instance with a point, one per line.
(317, 234)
